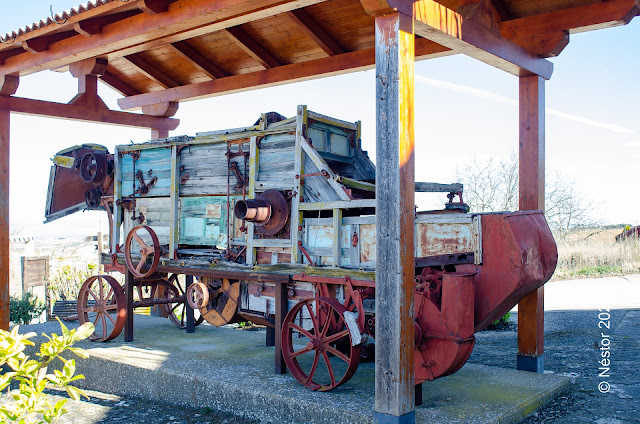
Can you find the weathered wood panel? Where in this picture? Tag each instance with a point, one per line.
(208, 169)
(152, 163)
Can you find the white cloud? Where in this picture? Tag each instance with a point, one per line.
(484, 94)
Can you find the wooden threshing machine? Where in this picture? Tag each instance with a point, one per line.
(275, 223)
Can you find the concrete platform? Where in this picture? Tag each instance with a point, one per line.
(231, 370)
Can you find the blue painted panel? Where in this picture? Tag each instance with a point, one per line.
(152, 163)
(203, 220)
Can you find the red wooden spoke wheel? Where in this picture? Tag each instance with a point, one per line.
(176, 311)
(316, 344)
(102, 301)
(135, 243)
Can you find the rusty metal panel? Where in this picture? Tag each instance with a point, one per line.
(443, 238)
(367, 241)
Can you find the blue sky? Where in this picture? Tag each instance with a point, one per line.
(464, 110)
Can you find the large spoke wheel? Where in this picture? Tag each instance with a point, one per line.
(135, 243)
(176, 311)
(102, 301)
(316, 344)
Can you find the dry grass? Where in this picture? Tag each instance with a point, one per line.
(594, 252)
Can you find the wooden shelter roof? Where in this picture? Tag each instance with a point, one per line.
(170, 50)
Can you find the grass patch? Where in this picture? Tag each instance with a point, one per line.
(594, 252)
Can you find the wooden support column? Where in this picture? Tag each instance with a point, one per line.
(532, 128)
(128, 324)
(4, 219)
(87, 73)
(395, 179)
(165, 110)
(8, 87)
(188, 310)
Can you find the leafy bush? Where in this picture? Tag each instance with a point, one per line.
(23, 309)
(30, 403)
(66, 281)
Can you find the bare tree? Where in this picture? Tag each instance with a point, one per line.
(492, 185)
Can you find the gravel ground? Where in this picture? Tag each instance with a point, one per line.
(573, 345)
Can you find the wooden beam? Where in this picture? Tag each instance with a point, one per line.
(501, 9)
(93, 26)
(316, 32)
(153, 7)
(41, 44)
(395, 269)
(151, 72)
(186, 51)
(81, 113)
(448, 28)
(87, 73)
(576, 19)
(166, 110)
(252, 47)
(184, 19)
(9, 85)
(4, 218)
(531, 196)
(7, 53)
(544, 45)
(115, 83)
(334, 65)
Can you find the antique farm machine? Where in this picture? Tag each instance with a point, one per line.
(275, 223)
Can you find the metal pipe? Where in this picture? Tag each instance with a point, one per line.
(253, 210)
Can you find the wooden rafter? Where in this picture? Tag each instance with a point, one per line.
(152, 7)
(118, 85)
(41, 44)
(332, 65)
(576, 19)
(80, 113)
(183, 20)
(316, 32)
(5, 54)
(544, 45)
(448, 28)
(151, 71)
(93, 26)
(252, 47)
(501, 9)
(194, 57)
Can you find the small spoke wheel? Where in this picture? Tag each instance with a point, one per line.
(198, 295)
(176, 311)
(316, 344)
(101, 300)
(144, 240)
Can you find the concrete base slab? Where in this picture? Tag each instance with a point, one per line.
(231, 370)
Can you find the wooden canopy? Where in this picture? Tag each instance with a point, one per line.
(165, 51)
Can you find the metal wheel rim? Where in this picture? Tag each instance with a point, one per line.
(112, 300)
(137, 268)
(177, 313)
(333, 328)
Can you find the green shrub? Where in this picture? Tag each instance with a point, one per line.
(30, 403)
(23, 309)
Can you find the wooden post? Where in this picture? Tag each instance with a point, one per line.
(188, 310)
(128, 324)
(4, 219)
(282, 306)
(531, 186)
(156, 134)
(395, 255)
